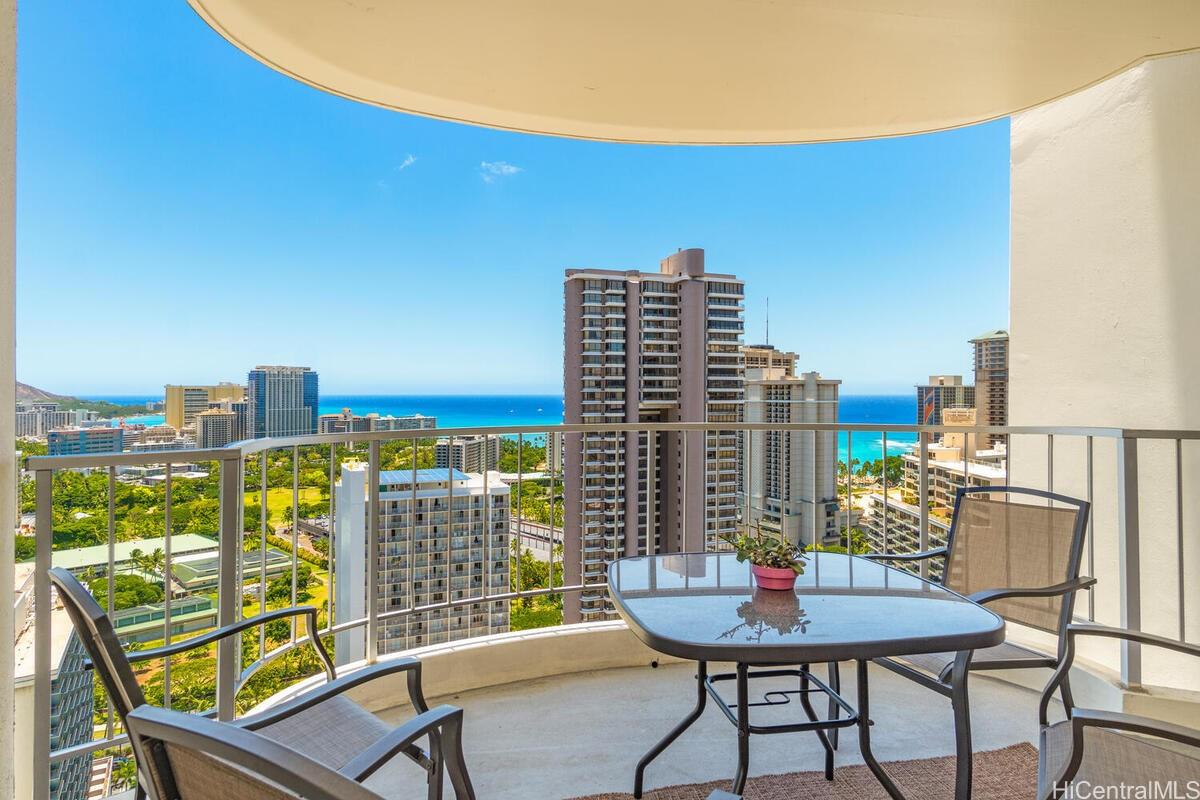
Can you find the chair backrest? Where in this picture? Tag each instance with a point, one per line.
(209, 760)
(1030, 543)
(100, 640)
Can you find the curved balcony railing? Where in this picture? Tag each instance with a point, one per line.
(640, 462)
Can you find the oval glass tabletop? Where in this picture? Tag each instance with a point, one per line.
(706, 607)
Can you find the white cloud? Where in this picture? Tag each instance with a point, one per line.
(408, 161)
(490, 170)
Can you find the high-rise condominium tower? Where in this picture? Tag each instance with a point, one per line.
(789, 483)
(215, 427)
(282, 401)
(647, 347)
(991, 380)
(468, 453)
(183, 403)
(942, 391)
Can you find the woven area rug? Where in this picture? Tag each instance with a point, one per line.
(1006, 774)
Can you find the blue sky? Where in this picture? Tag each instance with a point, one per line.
(184, 213)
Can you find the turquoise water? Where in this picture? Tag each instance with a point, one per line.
(462, 411)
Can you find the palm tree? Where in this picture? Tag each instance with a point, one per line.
(136, 559)
(157, 561)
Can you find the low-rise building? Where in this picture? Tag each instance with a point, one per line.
(79, 559)
(347, 421)
(200, 572)
(145, 623)
(85, 441)
(411, 422)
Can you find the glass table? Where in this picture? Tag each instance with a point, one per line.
(705, 607)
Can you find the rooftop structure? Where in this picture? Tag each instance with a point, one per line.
(765, 356)
(80, 558)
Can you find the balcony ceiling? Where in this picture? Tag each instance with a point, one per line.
(705, 71)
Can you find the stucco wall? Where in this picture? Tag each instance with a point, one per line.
(1105, 325)
(8, 67)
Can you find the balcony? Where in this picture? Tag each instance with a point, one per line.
(1135, 548)
(604, 674)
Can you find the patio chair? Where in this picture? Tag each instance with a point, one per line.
(1107, 748)
(1022, 561)
(346, 729)
(200, 759)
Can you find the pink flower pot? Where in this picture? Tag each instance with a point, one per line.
(774, 577)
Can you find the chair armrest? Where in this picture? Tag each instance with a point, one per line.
(1090, 717)
(990, 595)
(324, 692)
(443, 725)
(218, 634)
(1076, 629)
(935, 553)
(1092, 629)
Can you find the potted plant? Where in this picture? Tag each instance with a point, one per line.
(774, 561)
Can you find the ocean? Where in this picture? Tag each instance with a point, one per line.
(461, 411)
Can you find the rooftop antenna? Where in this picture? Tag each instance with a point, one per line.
(768, 320)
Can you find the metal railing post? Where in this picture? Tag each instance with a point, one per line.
(44, 489)
(229, 592)
(1129, 558)
(372, 587)
(923, 500)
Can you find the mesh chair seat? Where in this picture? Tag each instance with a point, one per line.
(331, 732)
(1114, 758)
(940, 664)
(199, 775)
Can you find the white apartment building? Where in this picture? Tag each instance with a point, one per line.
(439, 540)
(347, 421)
(468, 453)
(789, 478)
(648, 347)
(948, 472)
(38, 419)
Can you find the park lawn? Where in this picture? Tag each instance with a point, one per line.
(280, 498)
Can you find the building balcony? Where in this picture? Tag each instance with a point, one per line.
(1143, 576)
(509, 682)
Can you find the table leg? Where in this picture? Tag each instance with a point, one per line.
(962, 725)
(665, 742)
(812, 716)
(864, 735)
(743, 729)
(835, 711)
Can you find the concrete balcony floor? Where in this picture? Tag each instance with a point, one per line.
(582, 733)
